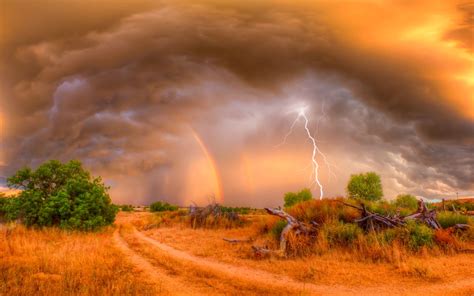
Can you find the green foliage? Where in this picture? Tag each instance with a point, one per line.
(9, 208)
(406, 201)
(238, 210)
(276, 230)
(448, 219)
(365, 186)
(162, 206)
(419, 235)
(381, 207)
(126, 208)
(292, 198)
(64, 195)
(342, 234)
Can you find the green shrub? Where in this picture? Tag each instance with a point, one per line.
(126, 208)
(292, 198)
(9, 208)
(419, 235)
(387, 236)
(448, 219)
(381, 207)
(238, 210)
(406, 201)
(65, 195)
(342, 234)
(162, 206)
(276, 230)
(365, 186)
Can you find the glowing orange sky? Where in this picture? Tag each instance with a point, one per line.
(117, 84)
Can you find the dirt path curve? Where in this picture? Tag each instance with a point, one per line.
(268, 278)
(166, 284)
(246, 274)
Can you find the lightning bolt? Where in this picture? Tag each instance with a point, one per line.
(314, 162)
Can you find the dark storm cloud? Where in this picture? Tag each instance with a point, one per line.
(118, 92)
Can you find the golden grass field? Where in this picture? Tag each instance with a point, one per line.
(173, 259)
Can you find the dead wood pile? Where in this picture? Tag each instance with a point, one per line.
(200, 215)
(424, 215)
(293, 226)
(375, 222)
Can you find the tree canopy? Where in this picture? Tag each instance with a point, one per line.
(62, 194)
(292, 198)
(366, 186)
(162, 206)
(407, 201)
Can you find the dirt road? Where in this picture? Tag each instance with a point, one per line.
(162, 264)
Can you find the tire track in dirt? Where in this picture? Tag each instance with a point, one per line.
(166, 285)
(461, 287)
(247, 274)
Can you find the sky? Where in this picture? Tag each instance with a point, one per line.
(190, 101)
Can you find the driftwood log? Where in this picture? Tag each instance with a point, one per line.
(295, 226)
(234, 241)
(424, 215)
(261, 252)
(374, 222)
(199, 215)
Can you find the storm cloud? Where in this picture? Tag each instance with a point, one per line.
(124, 86)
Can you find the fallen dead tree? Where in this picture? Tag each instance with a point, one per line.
(211, 215)
(234, 241)
(293, 226)
(374, 222)
(424, 215)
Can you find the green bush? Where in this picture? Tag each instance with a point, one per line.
(292, 198)
(406, 201)
(126, 208)
(276, 230)
(9, 208)
(365, 186)
(238, 210)
(419, 235)
(387, 236)
(64, 195)
(342, 234)
(448, 219)
(160, 206)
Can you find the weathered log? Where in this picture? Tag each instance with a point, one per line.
(424, 215)
(261, 252)
(233, 240)
(461, 226)
(373, 221)
(298, 227)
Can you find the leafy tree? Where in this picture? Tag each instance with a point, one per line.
(9, 207)
(292, 198)
(64, 195)
(406, 201)
(365, 186)
(162, 206)
(126, 208)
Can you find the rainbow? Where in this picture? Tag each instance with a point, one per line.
(219, 192)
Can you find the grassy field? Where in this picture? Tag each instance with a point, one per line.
(151, 254)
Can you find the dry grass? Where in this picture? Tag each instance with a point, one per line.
(54, 262)
(199, 280)
(332, 267)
